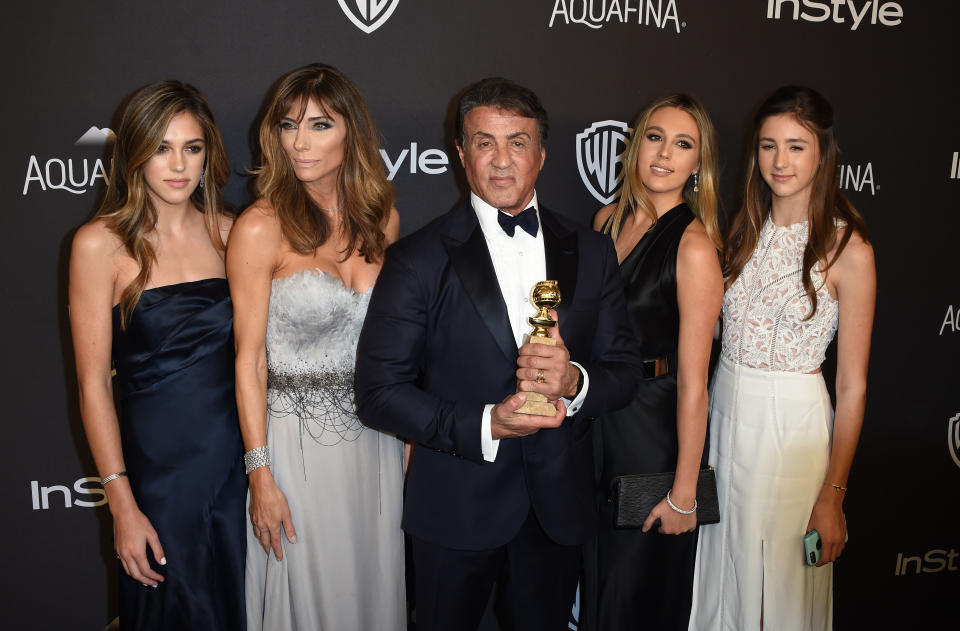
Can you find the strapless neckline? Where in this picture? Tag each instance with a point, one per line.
(317, 272)
(184, 284)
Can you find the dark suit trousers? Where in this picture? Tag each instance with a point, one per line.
(536, 583)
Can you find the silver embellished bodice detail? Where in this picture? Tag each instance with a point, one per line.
(312, 331)
(764, 310)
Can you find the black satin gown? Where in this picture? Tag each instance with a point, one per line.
(183, 452)
(644, 580)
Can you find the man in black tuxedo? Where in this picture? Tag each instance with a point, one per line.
(493, 496)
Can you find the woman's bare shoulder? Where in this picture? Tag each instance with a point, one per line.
(695, 244)
(259, 219)
(602, 215)
(95, 238)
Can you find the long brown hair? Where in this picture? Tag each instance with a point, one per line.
(364, 193)
(827, 203)
(703, 202)
(126, 207)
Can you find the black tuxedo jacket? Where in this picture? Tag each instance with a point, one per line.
(437, 346)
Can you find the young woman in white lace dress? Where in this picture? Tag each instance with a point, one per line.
(798, 270)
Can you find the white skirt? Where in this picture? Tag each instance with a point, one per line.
(770, 436)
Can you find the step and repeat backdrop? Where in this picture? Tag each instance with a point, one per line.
(888, 67)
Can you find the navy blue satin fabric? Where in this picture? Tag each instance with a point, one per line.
(183, 453)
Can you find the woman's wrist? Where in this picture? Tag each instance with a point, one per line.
(831, 495)
(683, 492)
(261, 477)
(256, 458)
(120, 500)
(682, 496)
(680, 506)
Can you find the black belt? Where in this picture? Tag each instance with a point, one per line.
(666, 365)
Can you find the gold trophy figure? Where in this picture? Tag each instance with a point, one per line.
(544, 295)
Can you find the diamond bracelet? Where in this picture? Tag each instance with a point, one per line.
(256, 458)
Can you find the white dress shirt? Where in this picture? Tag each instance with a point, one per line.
(519, 262)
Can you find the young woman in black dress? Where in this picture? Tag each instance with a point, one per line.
(666, 235)
(147, 289)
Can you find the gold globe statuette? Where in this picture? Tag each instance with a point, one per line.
(544, 295)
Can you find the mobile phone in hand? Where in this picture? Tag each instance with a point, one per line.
(813, 546)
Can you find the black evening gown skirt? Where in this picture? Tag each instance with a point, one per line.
(183, 453)
(644, 580)
(636, 580)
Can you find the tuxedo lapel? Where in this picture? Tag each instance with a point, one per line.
(470, 257)
(561, 250)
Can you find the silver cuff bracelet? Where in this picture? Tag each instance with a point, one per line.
(256, 458)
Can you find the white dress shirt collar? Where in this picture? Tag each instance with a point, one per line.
(487, 214)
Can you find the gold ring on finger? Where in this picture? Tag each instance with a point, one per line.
(540, 378)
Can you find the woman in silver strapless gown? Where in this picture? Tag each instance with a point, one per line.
(325, 548)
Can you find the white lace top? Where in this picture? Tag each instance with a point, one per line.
(763, 311)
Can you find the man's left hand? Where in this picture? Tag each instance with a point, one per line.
(558, 377)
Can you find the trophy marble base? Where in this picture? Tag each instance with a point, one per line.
(537, 403)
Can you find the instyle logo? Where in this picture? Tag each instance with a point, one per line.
(955, 168)
(839, 11)
(429, 161)
(74, 174)
(368, 15)
(951, 320)
(86, 493)
(932, 562)
(661, 14)
(857, 177)
(600, 149)
(953, 437)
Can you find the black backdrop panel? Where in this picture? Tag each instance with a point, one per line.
(886, 66)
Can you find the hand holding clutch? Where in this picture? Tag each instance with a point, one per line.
(636, 495)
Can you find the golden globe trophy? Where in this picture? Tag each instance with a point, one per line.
(544, 295)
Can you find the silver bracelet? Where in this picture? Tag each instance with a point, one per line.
(112, 477)
(680, 510)
(256, 458)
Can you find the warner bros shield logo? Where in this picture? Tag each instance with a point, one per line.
(368, 15)
(953, 437)
(600, 148)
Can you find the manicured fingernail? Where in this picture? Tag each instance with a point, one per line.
(163, 560)
(293, 539)
(154, 586)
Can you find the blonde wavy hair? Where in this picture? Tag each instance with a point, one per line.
(703, 202)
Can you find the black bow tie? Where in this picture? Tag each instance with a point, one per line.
(526, 220)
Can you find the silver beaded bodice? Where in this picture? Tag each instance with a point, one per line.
(312, 331)
(764, 310)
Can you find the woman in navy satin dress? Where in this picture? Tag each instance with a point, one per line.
(147, 290)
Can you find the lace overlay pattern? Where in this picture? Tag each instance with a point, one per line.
(312, 331)
(763, 311)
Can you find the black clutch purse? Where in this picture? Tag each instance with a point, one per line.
(634, 496)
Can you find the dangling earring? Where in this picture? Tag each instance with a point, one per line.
(203, 175)
(696, 182)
